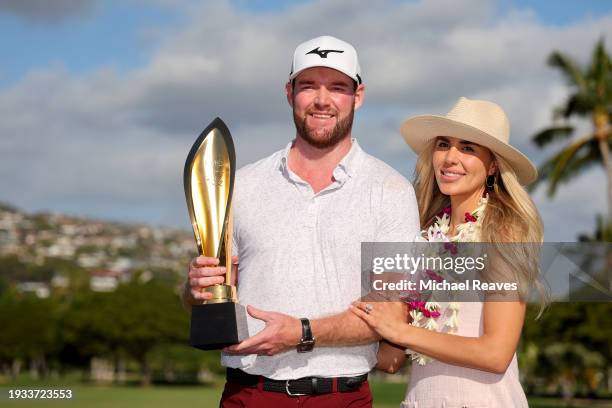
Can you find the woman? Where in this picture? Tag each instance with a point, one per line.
(469, 189)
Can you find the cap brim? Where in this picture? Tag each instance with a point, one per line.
(297, 72)
(420, 130)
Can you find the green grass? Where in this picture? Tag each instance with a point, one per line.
(386, 395)
(126, 397)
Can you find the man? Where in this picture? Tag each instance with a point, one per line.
(300, 216)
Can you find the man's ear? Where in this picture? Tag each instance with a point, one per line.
(289, 93)
(359, 96)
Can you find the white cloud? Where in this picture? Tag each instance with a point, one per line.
(121, 138)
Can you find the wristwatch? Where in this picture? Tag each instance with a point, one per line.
(307, 341)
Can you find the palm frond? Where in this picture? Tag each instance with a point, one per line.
(581, 103)
(600, 68)
(569, 68)
(552, 134)
(559, 112)
(565, 157)
(554, 168)
(584, 159)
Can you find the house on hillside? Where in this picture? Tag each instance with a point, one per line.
(40, 289)
(107, 280)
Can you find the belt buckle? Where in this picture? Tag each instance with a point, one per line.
(291, 394)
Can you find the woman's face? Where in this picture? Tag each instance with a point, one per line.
(461, 167)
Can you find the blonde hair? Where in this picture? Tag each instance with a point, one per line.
(510, 217)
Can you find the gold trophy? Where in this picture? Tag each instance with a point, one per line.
(208, 178)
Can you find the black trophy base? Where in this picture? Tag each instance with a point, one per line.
(218, 325)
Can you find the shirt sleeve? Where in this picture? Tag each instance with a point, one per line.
(399, 214)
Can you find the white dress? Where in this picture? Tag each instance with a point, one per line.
(441, 385)
(438, 384)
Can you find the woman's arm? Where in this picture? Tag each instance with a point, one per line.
(391, 357)
(493, 351)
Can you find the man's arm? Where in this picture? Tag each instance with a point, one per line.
(344, 329)
(399, 222)
(283, 333)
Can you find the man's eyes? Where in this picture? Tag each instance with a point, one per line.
(339, 88)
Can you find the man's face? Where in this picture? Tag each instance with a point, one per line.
(323, 101)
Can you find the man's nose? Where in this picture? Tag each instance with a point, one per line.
(322, 97)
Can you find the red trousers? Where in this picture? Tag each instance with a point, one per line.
(239, 396)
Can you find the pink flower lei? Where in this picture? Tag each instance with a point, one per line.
(425, 314)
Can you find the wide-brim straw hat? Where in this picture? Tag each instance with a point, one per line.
(477, 121)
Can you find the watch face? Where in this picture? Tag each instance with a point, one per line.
(305, 346)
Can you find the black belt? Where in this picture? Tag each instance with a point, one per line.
(300, 386)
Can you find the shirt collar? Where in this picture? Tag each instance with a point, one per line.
(345, 168)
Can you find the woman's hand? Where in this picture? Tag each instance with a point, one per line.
(388, 319)
(391, 357)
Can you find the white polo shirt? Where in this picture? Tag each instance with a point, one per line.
(300, 251)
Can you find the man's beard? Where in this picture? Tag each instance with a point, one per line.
(329, 138)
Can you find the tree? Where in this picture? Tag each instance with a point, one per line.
(131, 321)
(603, 232)
(591, 97)
(29, 331)
(568, 348)
(86, 327)
(145, 316)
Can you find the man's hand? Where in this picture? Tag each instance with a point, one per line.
(282, 333)
(205, 272)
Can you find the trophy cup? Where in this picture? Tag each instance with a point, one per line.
(209, 182)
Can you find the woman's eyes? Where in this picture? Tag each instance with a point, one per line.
(466, 148)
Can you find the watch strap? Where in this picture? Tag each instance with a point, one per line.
(306, 330)
(307, 341)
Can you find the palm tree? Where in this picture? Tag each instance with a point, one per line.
(591, 98)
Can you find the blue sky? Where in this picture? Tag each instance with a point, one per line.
(562, 12)
(111, 34)
(121, 34)
(101, 100)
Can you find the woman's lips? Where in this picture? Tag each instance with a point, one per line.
(450, 176)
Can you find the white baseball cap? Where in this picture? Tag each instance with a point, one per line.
(326, 51)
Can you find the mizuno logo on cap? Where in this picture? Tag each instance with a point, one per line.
(323, 53)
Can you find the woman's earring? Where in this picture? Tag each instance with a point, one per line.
(490, 183)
